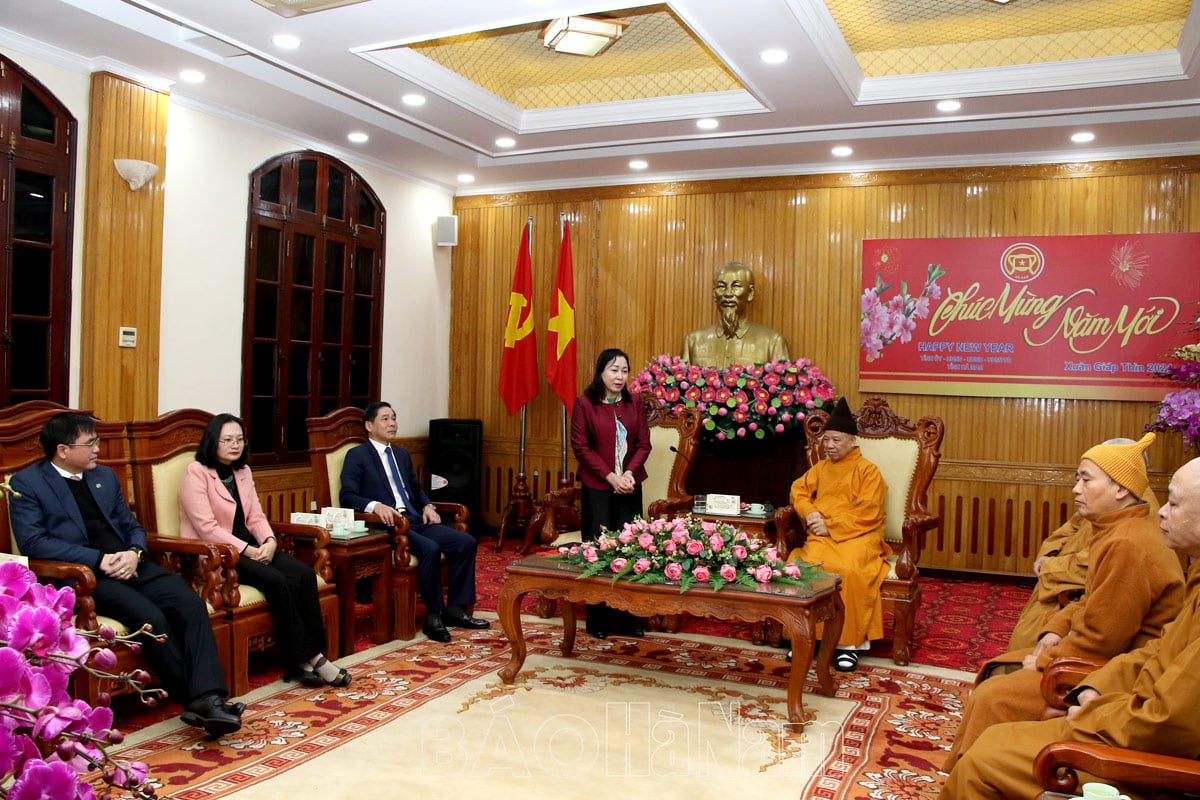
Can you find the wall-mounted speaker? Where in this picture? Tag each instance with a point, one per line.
(447, 231)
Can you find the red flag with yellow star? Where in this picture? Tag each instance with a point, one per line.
(518, 365)
(560, 332)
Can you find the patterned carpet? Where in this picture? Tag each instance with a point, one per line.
(683, 711)
(961, 624)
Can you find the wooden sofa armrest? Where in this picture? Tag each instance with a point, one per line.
(456, 513)
(789, 530)
(316, 543)
(670, 506)
(908, 550)
(1058, 764)
(209, 566)
(83, 581)
(400, 552)
(1061, 676)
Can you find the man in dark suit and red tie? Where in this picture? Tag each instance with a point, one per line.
(378, 478)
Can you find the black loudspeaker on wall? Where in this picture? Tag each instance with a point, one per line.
(455, 473)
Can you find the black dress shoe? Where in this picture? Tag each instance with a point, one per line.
(237, 709)
(436, 630)
(457, 618)
(209, 713)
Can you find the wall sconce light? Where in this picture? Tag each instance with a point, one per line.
(135, 172)
(582, 36)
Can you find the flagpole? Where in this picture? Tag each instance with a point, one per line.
(563, 481)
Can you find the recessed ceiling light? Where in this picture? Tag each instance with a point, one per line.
(413, 99)
(1083, 137)
(949, 106)
(358, 137)
(506, 141)
(285, 41)
(466, 177)
(707, 124)
(773, 56)
(841, 151)
(637, 163)
(191, 76)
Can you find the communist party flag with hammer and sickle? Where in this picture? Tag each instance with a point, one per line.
(518, 365)
(560, 332)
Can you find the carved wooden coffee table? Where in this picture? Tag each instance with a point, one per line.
(796, 608)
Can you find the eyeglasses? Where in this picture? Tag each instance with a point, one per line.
(93, 442)
(231, 440)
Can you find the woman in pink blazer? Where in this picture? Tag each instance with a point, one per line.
(218, 503)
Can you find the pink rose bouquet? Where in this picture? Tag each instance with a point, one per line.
(686, 549)
(742, 400)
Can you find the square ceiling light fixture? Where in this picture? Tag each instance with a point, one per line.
(294, 8)
(582, 36)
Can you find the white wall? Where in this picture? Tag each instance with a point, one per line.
(206, 179)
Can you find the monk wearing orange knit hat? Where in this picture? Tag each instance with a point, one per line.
(1134, 587)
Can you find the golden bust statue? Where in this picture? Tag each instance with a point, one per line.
(734, 339)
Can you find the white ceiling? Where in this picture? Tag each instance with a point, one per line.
(786, 122)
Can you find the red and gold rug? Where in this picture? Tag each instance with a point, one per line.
(685, 712)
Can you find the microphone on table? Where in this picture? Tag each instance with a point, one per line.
(675, 450)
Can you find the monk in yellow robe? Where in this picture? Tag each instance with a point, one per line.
(840, 501)
(1134, 587)
(1144, 700)
(1061, 567)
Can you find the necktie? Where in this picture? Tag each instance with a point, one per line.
(395, 468)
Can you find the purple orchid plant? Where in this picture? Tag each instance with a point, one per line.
(54, 747)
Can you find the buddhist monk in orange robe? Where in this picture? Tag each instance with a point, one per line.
(841, 503)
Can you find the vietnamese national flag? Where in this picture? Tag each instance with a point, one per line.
(518, 365)
(560, 332)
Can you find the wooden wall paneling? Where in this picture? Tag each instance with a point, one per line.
(122, 254)
(644, 256)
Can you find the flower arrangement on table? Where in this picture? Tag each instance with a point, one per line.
(1180, 410)
(686, 549)
(883, 323)
(739, 400)
(49, 742)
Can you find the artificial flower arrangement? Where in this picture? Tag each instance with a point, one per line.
(50, 742)
(739, 400)
(1180, 410)
(686, 549)
(885, 322)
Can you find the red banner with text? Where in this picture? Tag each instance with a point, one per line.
(1030, 316)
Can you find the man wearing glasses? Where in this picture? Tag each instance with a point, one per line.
(71, 509)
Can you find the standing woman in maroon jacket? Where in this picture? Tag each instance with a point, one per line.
(611, 440)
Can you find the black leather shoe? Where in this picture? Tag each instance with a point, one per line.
(237, 709)
(457, 618)
(209, 713)
(436, 630)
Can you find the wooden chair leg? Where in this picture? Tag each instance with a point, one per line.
(904, 611)
(404, 596)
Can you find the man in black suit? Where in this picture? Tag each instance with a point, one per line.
(71, 509)
(378, 478)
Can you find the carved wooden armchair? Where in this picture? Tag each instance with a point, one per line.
(908, 457)
(1058, 765)
(329, 439)
(198, 562)
(673, 443)
(160, 451)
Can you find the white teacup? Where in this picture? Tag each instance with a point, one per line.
(359, 525)
(757, 508)
(1102, 791)
(338, 529)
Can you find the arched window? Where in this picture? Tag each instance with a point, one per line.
(314, 299)
(37, 205)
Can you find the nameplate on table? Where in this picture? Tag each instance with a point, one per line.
(306, 518)
(724, 504)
